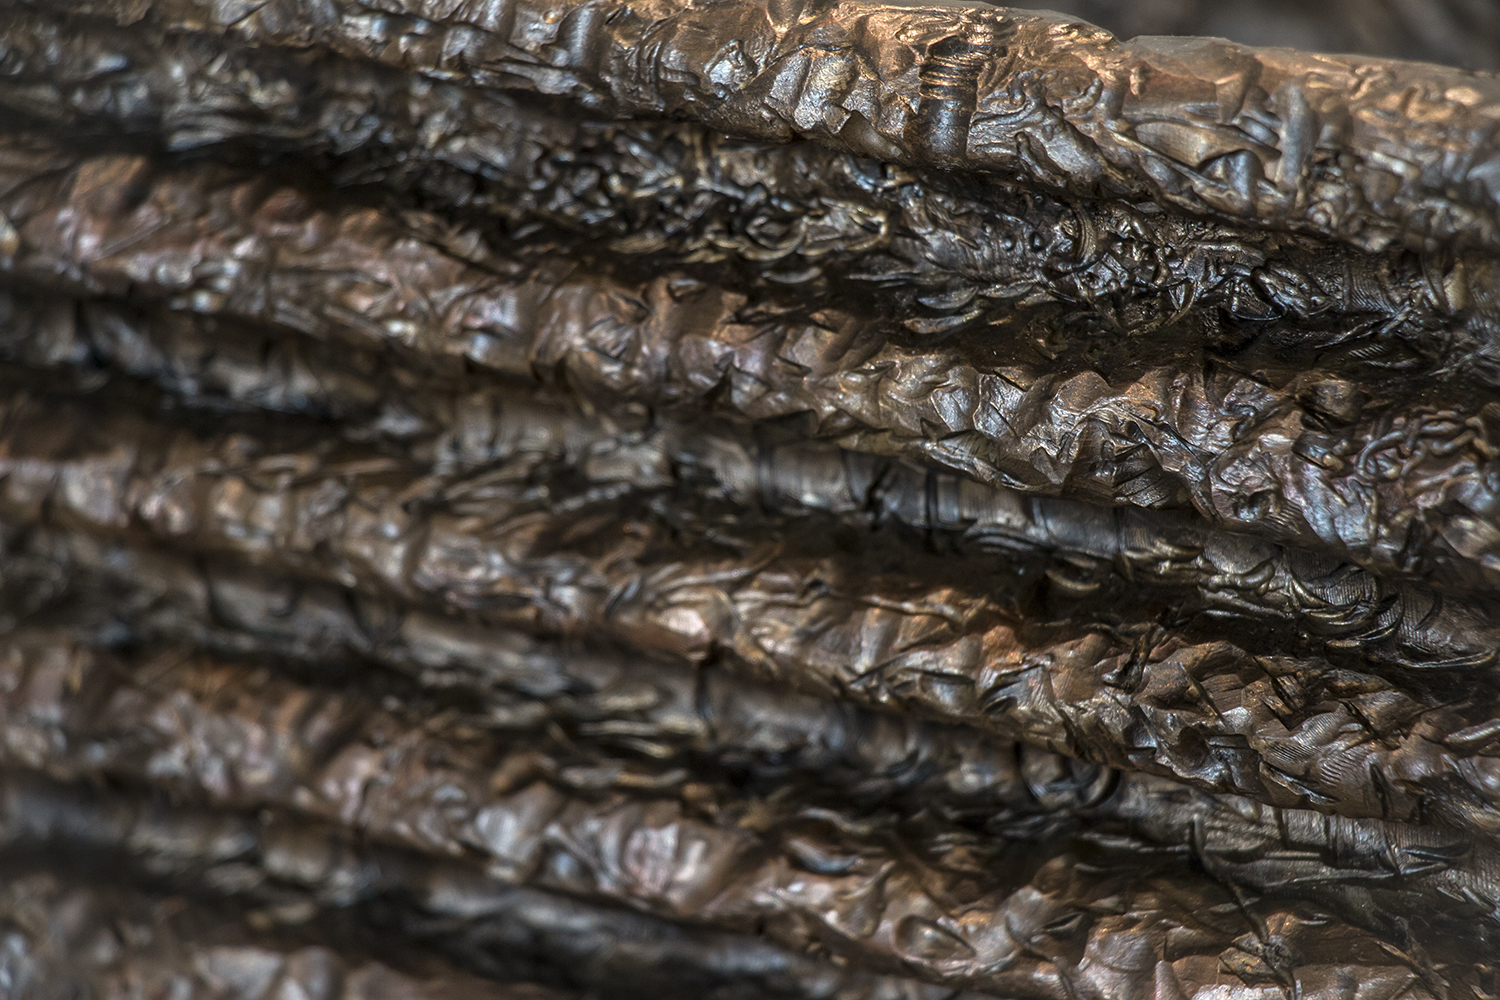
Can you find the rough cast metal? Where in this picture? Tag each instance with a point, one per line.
(544, 499)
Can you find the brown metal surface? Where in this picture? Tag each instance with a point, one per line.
(824, 500)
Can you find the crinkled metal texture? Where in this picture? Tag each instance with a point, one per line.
(798, 499)
(1407, 489)
(458, 423)
(953, 255)
(862, 618)
(289, 873)
(71, 938)
(1019, 920)
(1364, 150)
(1016, 791)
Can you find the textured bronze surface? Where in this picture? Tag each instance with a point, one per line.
(823, 500)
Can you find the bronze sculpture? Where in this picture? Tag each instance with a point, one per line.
(579, 498)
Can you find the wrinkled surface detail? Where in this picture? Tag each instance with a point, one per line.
(567, 500)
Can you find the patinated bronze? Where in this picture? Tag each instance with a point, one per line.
(569, 499)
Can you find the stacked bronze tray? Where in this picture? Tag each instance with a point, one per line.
(754, 498)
